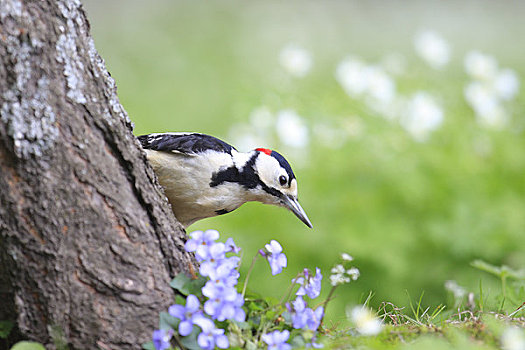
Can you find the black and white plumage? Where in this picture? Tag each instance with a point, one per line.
(203, 176)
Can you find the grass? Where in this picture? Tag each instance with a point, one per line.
(418, 327)
(464, 329)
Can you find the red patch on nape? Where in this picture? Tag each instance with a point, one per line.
(264, 150)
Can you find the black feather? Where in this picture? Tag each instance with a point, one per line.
(245, 177)
(184, 143)
(286, 166)
(222, 211)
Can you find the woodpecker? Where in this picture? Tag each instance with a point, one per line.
(203, 176)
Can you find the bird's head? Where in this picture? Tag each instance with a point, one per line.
(278, 182)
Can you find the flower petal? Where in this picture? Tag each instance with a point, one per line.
(185, 328)
(192, 303)
(222, 341)
(211, 235)
(177, 311)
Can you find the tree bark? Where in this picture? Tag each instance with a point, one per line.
(88, 242)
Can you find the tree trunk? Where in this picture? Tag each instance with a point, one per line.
(88, 242)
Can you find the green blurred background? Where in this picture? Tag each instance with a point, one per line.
(412, 209)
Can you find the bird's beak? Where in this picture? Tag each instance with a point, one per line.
(292, 204)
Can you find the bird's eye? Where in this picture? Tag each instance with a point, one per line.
(282, 180)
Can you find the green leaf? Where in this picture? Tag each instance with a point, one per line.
(195, 286)
(180, 300)
(242, 325)
(298, 342)
(270, 314)
(256, 306)
(5, 328)
(190, 341)
(181, 283)
(148, 346)
(168, 322)
(271, 300)
(500, 271)
(186, 285)
(28, 345)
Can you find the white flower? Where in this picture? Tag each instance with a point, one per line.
(364, 319)
(493, 116)
(480, 96)
(432, 48)
(338, 279)
(513, 339)
(423, 115)
(291, 129)
(507, 84)
(458, 291)
(296, 60)
(340, 275)
(379, 86)
(338, 269)
(353, 273)
(350, 74)
(486, 105)
(346, 257)
(371, 82)
(481, 66)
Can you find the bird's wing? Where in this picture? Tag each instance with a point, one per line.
(185, 143)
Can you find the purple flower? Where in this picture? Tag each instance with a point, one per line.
(275, 257)
(215, 254)
(222, 271)
(161, 338)
(314, 317)
(187, 314)
(277, 340)
(304, 317)
(299, 316)
(210, 335)
(314, 345)
(200, 243)
(224, 302)
(231, 247)
(310, 285)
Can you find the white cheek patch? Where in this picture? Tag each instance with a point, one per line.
(268, 169)
(292, 190)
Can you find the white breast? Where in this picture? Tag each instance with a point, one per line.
(186, 182)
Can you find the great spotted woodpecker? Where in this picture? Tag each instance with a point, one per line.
(203, 176)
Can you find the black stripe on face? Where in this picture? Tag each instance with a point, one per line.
(246, 177)
(270, 190)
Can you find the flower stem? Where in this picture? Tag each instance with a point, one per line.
(248, 274)
(328, 298)
(286, 296)
(177, 340)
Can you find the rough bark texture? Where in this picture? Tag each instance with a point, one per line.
(88, 242)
